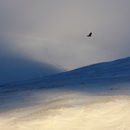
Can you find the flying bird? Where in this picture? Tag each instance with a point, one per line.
(90, 34)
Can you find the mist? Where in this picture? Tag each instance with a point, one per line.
(54, 32)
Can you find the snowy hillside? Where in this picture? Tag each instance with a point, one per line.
(95, 97)
(103, 74)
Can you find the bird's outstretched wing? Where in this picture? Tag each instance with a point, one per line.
(90, 34)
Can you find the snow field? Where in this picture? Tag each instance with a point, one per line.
(95, 97)
(71, 111)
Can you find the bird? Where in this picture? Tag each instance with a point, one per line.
(90, 34)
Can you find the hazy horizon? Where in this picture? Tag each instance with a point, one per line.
(55, 31)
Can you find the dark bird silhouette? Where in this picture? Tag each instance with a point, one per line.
(90, 34)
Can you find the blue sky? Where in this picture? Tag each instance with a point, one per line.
(54, 31)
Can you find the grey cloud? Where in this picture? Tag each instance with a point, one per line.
(60, 27)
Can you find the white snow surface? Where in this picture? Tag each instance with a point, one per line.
(95, 97)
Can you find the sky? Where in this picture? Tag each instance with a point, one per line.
(54, 31)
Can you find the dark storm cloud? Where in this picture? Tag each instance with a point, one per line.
(45, 29)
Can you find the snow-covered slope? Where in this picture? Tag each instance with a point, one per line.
(95, 97)
(14, 70)
(103, 74)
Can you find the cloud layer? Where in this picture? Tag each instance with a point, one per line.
(55, 31)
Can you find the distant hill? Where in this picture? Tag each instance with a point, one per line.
(16, 70)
